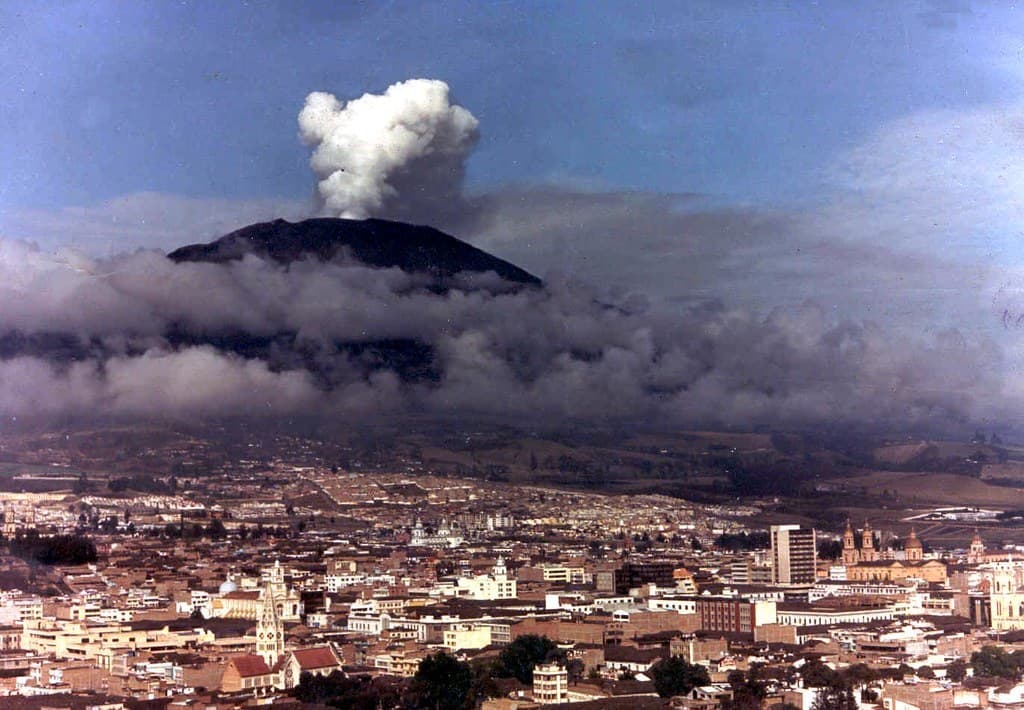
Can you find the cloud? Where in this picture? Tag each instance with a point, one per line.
(150, 337)
(398, 155)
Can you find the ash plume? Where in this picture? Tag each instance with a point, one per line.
(397, 155)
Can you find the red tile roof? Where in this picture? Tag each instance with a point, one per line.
(249, 665)
(314, 658)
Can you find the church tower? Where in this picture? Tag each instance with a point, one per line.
(269, 627)
(868, 553)
(913, 548)
(850, 554)
(977, 552)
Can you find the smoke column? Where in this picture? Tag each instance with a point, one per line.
(398, 155)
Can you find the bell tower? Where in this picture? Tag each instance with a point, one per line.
(850, 554)
(868, 553)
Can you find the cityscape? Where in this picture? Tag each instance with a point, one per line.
(230, 582)
(511, 355)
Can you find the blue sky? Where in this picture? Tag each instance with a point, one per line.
(739, 101)
(846, 153)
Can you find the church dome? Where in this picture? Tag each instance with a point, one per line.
(228, 586)
(913, 542)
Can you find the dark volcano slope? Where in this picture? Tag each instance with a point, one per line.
(374, 242)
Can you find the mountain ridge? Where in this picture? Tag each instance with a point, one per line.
(374, 242)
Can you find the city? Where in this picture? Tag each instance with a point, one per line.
(241, 584)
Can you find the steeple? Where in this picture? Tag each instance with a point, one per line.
(850, 554)
(867, 544)
(977, 552)
(269, 627)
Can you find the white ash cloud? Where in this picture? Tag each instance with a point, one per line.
(397, 155)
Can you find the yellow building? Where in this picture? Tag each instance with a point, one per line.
(898, 570)
(1006, 596)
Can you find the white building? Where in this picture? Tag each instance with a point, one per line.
(550, 684)
(496, 585)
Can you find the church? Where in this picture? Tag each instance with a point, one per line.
(273, 667)
(867, 564)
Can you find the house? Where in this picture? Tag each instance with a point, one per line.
(321, 660)
(247, 672)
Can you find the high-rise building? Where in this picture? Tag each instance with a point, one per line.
(794, 555)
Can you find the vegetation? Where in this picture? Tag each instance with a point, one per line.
(138, 482)
(957, 670)
(53, 550)
(675, 676)
(442, 683)
(995, 662)
(337, 690)
(835, 698)
(743, 542)
(519, 657)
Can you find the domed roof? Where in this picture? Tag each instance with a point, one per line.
(912, 541)
(228, 586)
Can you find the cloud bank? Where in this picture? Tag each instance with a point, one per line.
(139, 335)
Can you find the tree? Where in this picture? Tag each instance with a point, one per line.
(860, 674)
(957, 670)
(748, 692)
(360, 692)
(993, 661)
(575, 667)
(441, 683)
(925, 672)
(835, 698)
(216, 530)
(519, 657)
(675, 676)
(817, 675)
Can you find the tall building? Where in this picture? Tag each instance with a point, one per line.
(794, 555)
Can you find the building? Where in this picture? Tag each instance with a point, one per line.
(247, 672)
(496, 585)
(269, 628)
(794, 555)
(898, 570)
(633, 575)
(1006, 596)
(734, 614)
(320, 660)
(867, 552)
(550, 684)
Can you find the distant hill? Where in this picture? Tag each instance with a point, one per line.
(374, 242)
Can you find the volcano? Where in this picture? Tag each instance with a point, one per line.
(375, 242)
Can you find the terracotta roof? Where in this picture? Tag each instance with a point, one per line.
(249, 665)
(241, 595)
(313, 658)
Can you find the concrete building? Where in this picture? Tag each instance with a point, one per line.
(496, 585)
(550, 684)
(794, 555)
